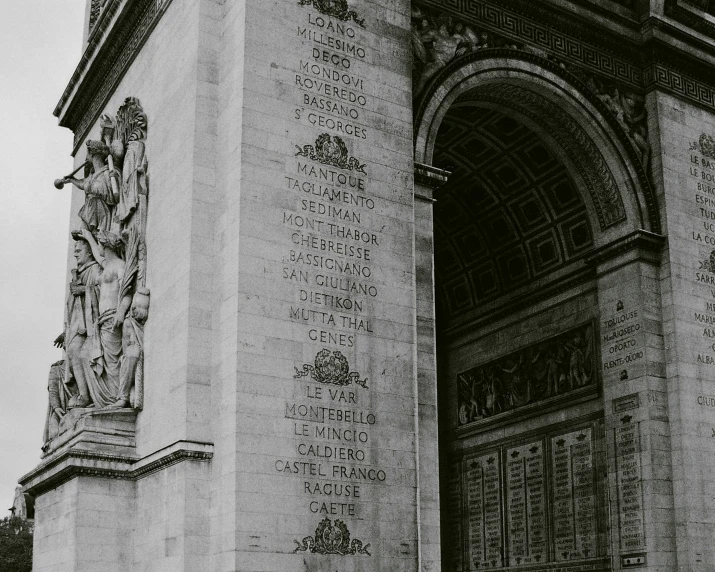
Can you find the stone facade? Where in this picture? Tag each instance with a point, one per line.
(431, 285)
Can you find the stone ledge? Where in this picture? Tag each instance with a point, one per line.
(641, 244)
(73, 462)
(110, 430)
(112, 45)
(429, 176)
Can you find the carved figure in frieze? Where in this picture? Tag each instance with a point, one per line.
(519, 382)
(437, 39)
(440, 48)
(471, 41)
(469, 409)
(108, 303)
(81, 315)
(493, 392)
(549, 369)
(100, 188)
(59, 395)
(634, 120)
(628, 109)
(578, 377)
(102, 351)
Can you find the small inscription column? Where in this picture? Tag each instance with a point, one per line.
(455, 494)
(574, 496)
(486, 543)
(563, 499)
(526, 504)
(630, 494)
(701, 171)
(494, 542)
(621, 342)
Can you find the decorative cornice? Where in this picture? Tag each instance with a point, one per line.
(97, 33)
(682, 76)
(692, 14)
(634, 58)
(648, 245)
(104, 15)
(578, 277)
(108, 55)
(73, 463)
(430, 176)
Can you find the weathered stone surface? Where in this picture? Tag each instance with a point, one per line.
(431, 289)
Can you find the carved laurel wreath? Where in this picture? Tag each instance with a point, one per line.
(709, 263)
(332, 539)
(331, 368)
(335, 8)
(707, 145)
(331, 151)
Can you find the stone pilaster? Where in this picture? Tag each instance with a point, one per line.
(427, 181)
(637, 432)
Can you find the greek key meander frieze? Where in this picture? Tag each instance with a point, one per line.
(577, 52)
(552, 368)
(134, 30)
(438, 39)
(517, 27)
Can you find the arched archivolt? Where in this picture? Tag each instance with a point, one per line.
(543, 175)
(575, 125)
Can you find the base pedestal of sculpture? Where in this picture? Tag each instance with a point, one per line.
(107, 430)
(91, 481)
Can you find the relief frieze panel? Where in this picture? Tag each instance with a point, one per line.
(552, 369)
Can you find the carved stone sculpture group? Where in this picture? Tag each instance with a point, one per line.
(108, 302)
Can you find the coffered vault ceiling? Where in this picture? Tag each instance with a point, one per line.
(509, 214)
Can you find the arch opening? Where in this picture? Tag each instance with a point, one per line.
(540, 181)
